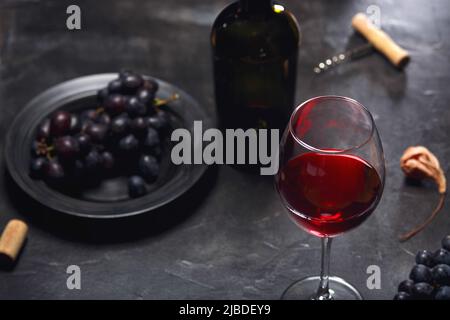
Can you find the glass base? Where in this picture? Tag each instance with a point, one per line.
(306, 288)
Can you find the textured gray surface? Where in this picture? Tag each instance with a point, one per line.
(229, 237)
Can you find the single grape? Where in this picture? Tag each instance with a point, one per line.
(67, 148)
(107, 160)
(115, 104)
(131, 83)
(138, 127)
(152, 139)
(145, 96)
(75, 124)
(446, 243)
(125, 73)
(441, 274)
(443, 293)
(423, 291)
(43, 130)
(84, 141)
(105, 119)
(93, 160)
(154, 122)
(420, 273)
(441, 256)
(60, 123)
(425, 257)
(402, 296)
(148, 168)
(78, 169)
(115, 86)
(128, 143)
(406, 286)
(120, 125)
(151, 85)
(136, 187)
(102, 95)
(159, 121)
(37, 166)
(135, 108)
(90, 114)
(53, 172)
(36, 149)
(97, 132)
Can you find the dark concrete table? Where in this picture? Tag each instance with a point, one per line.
(229, 237)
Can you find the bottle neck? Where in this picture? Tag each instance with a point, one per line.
(255, 5)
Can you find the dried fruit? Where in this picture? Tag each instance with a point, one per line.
(419, 163)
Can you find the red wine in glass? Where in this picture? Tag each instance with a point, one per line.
(330, 179)
(328, 194)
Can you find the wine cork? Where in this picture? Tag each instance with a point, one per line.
(380, 40)
(12, 239)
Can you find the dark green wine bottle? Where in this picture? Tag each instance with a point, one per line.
(255, 47)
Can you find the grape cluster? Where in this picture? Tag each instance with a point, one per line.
(430, 277)
(122, 136)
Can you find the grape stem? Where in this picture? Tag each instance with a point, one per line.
(161, 102)
(422, 226)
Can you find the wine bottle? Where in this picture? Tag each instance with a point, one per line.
(255, 47)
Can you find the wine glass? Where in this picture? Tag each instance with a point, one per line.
(330, 178)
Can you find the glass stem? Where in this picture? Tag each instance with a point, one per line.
(323, 292)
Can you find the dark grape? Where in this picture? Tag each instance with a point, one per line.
(154, 122)
(152, 139)
(37, 167)
(43, 130)
(159, 121)
(91, 115)
(441, 274)
(53, 172)
(131, 83)
(78, 169)
(97, 132)
(67, 148)
(425, 257)
(125, 73)
(75, 124)
(93, 160)
(422, 290)
(441, 256)
(115, 86)
(145, 96)
(443, 293)
(104, 118)
(446, 243)
(402, 296)
(128, 143)
(107, 160)
(60, 123)
(102, 95)
(151, 85)
(148, 168)
(115, 104)
(84, 141)
(136, 187)
(36, 149)
(120, 125)
(138, 127)
(420, 273)
(135, 108)
(406, 286)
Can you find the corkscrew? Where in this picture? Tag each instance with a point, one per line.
(377, 40)
(349, 55)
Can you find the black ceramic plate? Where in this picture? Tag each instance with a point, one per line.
(110, 198)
